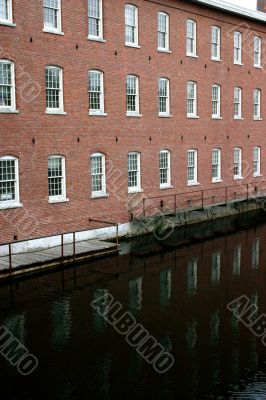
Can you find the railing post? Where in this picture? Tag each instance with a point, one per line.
(202, 199)
(62, 245)
(247, 191)
(175, 204)
(117, 238)
(74, 246)
(226, 194)
(10, 258)
(144, 207)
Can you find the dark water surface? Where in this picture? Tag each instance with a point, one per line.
(179, 296)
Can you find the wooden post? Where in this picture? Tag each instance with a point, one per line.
(117, 238)
(10, 258)
(74, 246)
(62, 245)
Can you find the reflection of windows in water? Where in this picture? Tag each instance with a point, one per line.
(191, 334)
(101, 377)
(16, 325)
(254, 302)
(255, 253)
(216, 267)
(237, 260)
(215, 328)
(99, 323)
(135, 295)
(165, 287)
(62, 322)
(192, 278)
(166, 342)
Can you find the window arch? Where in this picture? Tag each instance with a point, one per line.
(9, 181)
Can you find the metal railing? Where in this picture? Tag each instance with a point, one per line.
(199, 199)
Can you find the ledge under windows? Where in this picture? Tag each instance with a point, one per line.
(192, 55)
(46, 30)
(135, 190)
(217, 180)
(165, 115)
(7, 23)
(258, 66)
(216, 59)
(96, 39)
(238, 178)
(99, 195)
(238, 63)
(8, 205)
(217, 118)
(238, 118)
(166, 187)
(134, 115)
(257, 176)
(55, 112)
(136, 46)
(98, 114)
(257, 119)
(192, 116)
(8, 111)
(58, 200)
(167, 51)
(193, 184)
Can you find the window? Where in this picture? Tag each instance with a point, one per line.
(191, 99)
(257, 51)
(56, 178)
(256, 161)
(216, 267)
(163, 31)
(256, 253)
(237, 260)
(216, 43)
(237, 48)
(192, 169)
(216, 165)
(54, 90)
(131, 25)
(216, 101)
(96, 92)
(6, 11)
(52, 15)
(9, 182)
(237, 163)
(95, 21)
(163, 94)
(98, 180)
(132, 95)
(191, 38)
(165, 173)
(257, 108)
(134, 172)
(7, 86)
(237, 103)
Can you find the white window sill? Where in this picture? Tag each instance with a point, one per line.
(165, 115)
(136, 46)
(192, 55)
(98, 114)
(238, 178)
(55, 32)
(57, 200)
(135, 190)
(134, 115)
(193, 184)
(164, 51)
(7, 23)
(7, 205)
(166, 187)
(238, 63)
(192, 116)
(96, 39)
(99, 195)
(258, 66)
(257, 176)
(8, 111)
(238, 118)
(217, 180)
(216, 59)
(55, 112)
(257, 119)
(217, 118)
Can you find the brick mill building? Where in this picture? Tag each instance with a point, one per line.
(104, 103)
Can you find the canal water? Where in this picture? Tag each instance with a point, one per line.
(179, 295)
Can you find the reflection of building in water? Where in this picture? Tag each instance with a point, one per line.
(256, 253)
(99, 323)
(215, 328)
(62, 322)
(216, 267)
(192, 374)
(165, 287)
(135, 295)
(101, 378)
(237, 260)
(16, 325)
(254, 301)
(192, 276)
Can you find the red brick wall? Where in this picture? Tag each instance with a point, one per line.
(57, 134)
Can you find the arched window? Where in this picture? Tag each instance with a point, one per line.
(191, 99)
(131, 25)
(163, 31)
(164, 96)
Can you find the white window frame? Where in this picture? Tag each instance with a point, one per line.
(62, 197)
(16, 202)
(11, 108)
(238, 103)
(100, 21)
(217, 178)
(238, 163)
(167, 97)
(256, 161)
(59, 110)
(257, 104)
(257, 53)
(99, 111)
(238, 48)
(135, 43)
(217, 101)
(167, 41)
(9, 19)
(137, 188)
(135, 113)
(99, 193)
(193, 38)
(218, 44)
(194, 99)
(191, 182)
(168, 169)
(57, 30)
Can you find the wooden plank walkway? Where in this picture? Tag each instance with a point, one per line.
(52, 256)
